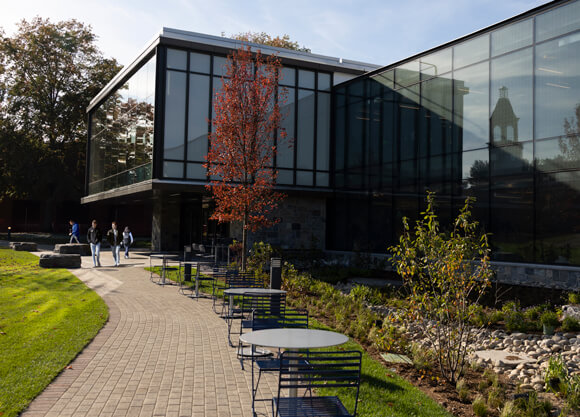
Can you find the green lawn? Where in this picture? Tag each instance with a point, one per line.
(382, 393)
(46, 318)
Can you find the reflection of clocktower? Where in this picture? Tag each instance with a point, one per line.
(504, 122)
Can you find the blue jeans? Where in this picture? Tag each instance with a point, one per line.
(116, 249)
(96, 252)
(126, 250)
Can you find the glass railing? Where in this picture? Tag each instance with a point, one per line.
(121, 179)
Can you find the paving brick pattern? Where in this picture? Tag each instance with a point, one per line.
(160, 354)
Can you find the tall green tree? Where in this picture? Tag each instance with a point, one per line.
(263, 38)
(48, 74)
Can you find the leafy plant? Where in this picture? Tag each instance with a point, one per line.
(549, 318)
(510, 410)
(574, 298)
(444, 273)
(514, 321)
(532, 406)
(479, 407)
(422, 358)
(556, 375)
(570, 324)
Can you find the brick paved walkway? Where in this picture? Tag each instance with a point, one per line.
(160, 354)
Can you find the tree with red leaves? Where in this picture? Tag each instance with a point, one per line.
(243, 144)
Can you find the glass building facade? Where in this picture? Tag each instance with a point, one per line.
(121, 133)
(495, 116)
(193, 78)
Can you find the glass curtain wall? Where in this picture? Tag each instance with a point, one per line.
(495, 117)
(193, 79)
(121, 136)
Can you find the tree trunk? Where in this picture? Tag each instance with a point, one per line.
(244, 241)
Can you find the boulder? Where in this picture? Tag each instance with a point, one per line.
(571, 311)
(60, 260)
(24, 246)
(83, 249)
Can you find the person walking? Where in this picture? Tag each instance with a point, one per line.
(114, 237)
(94, 238)
(74, 231)
(127, 241)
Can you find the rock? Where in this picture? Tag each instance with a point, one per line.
(571, 311)
(83, 249)
(60, 260)
(24, 246)
(519, 336)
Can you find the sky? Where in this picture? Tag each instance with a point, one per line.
(373, 31)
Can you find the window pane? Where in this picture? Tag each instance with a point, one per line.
(322, 179)
(219, 65)
(512, 218)
(407, 74)
(515, 159)
(173, 169)
(437, 100)
(512, 37)
(436, 64)
(511, 97)
(198, 115)
(306, 79)
(199, 62)
(471, 51)
(558, 21)
(174, 132)
(305, 135)
(304, 178)
(557, 202)
(558, 154)
(386, 78)
(323, 81)
(285, 157)
(323, 132)
(176, 59)
(557, 86)
(285, 177)
(196, 172)
(471, 115)
(475, 164)
(288, 76)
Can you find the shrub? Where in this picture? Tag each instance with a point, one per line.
(479, 407)
(422, 358)
(510, 410)
(532, 407)
(549, 318)
(570, 324)
(496, 397)
(445, 273)
(556, 375)
(574, 298)
(496, 316)
(462, 391)
(514, 321)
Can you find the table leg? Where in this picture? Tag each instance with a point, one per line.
(197, 281)
(163, 269)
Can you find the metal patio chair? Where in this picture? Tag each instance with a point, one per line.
(321, 370)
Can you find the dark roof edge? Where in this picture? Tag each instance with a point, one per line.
(529, 13)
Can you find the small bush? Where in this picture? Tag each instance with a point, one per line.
(532, 407)
(570, 324)
(496, 397)
(490, 378)
(514, 321)
(479, 407)
(510, 410)
(574, 298)
(549, 318)
(422, 358)
(496, 316)
(462, 391)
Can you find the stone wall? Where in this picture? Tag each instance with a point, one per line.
(544, 276)
(302, 225)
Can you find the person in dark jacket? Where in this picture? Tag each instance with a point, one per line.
(94, 238)
(127, 241)
(115, 237)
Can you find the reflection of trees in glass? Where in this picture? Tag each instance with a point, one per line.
(570, 146)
